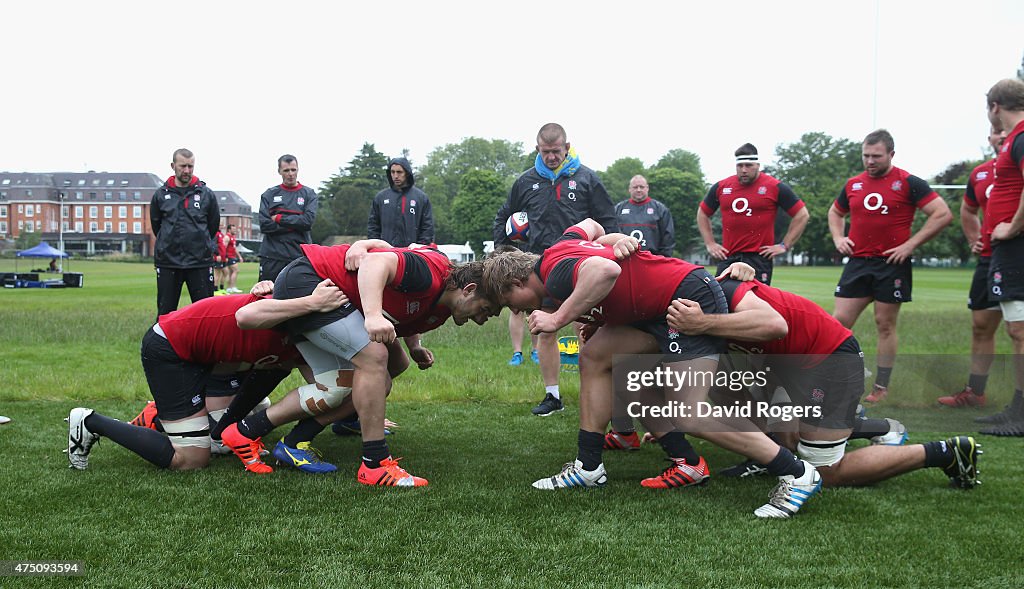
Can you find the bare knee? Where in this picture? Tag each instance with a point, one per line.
(191, 458)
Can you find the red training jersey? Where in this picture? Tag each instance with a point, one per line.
(642, 291)
(979, 185)
(748, 211)
(812, 332)
(410, 301)
(1004, 199)
(882, 209)
(205, 332)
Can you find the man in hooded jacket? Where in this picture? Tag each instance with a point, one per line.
(401, 214)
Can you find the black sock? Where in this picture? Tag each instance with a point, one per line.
(937, 454)
(977, 382)
(256, 385)
(677, 446)
(882, 378)
(304, 431)
(866, 427)
(255, 426)
(151, 445)
(374, 451)
(785, 463)
(589, 448)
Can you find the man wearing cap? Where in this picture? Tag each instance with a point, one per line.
(749, 202)
(881, 203)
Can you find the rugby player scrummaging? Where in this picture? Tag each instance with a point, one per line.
(627, 300)
(179, 354)
(393, 292)
(821, 366)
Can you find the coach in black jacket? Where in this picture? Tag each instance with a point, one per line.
(287, 212)
(185, 216)
(556, 193)
(401, 215)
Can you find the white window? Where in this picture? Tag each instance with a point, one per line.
(122, 212)
(78, 227)
(64, 212)
(78, 212)
(39, 224)
(108, 212)
(108, 227)
(110, 182)
(78, 195)
(108, 196)
(21, 225)
(81, 182)
(28, 192)
(21, 209)
(29, 210)
(136, 211)
(3, 212)
(122, 227)
(67, 227)
(6, 181)
(136, 227)
(28, 228)
(3, 227)
(124, 182)
(137, 195)
(93, 212)
(93, 227)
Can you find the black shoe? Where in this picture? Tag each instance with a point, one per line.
(347, 427)
(749, 468)
(1011, 412)
(1008, 429)
(963, 471)
(549, 405)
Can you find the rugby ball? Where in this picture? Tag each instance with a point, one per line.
(517, 228)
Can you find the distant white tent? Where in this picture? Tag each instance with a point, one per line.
(457, 253)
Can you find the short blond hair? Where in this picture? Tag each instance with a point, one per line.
(501, 269)
(1008, 93)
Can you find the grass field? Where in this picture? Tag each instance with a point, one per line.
(466, 426)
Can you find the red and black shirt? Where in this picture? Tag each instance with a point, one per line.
(206, 332)
(410, 301)
(642, 291)
(882, 209)
(748, 211)
(979, 185)
(1004, 200)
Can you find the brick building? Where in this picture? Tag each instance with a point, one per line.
(99, 212)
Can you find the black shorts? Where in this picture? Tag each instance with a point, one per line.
(700, 287)
(218, 265)
(178, 387)
(977, 298)
(874, 278)
(834, 385)
(224, 385)
(231, 262)
(270, 268)
(299, 279)
(762, 266)
(1006, 274)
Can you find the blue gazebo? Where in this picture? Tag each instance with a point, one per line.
(43, 250)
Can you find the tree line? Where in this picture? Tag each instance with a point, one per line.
(468, 181)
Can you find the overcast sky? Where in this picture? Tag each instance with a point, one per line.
(117, 86)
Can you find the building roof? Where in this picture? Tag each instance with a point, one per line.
(231, 203)
(48, 186)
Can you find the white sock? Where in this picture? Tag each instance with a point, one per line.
(552, 389)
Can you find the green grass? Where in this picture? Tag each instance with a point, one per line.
(466, 426)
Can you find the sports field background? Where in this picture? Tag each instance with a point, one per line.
(466, 426)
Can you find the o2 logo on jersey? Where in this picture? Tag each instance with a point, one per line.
(874, 202)
(267, 361)
(988, 191)
(639, 236)
(590, 244)
(741, 206)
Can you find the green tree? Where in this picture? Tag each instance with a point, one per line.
(481, 193)
(616, 178)
(682, 160)
(440, 176)
(27, 239)
(816, 167)
(950, 243)
(681, 192)
(345, 197)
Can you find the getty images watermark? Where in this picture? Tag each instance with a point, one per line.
(703, 394)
